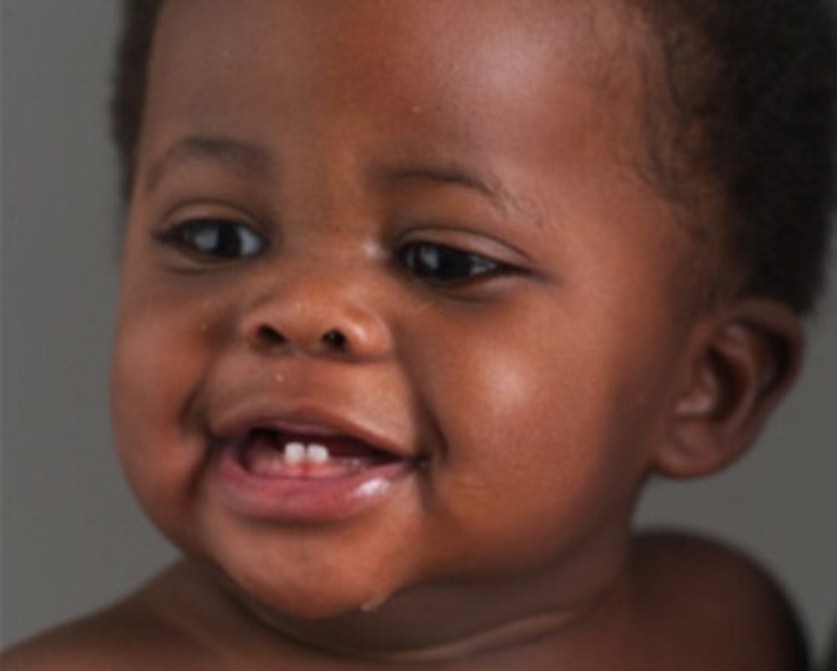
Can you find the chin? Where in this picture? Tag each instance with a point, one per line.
(311, 606)
(317, 604)
(316, 596)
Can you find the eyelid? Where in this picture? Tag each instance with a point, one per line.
(480, 234)
(463, 268)
(468, 239)
(186, 237)
(209, 208)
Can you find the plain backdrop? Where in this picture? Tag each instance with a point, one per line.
(72, 538)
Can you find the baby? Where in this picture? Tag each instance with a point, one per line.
(417, 296)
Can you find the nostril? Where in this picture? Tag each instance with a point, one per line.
(270, 336)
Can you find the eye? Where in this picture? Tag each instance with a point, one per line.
(215, 239)
(441, 264)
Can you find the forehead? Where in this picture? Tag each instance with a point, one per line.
(420, 31)
(429, 57)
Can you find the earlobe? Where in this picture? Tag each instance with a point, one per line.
(741, 366)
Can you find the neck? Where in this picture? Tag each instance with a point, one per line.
(447, 621)
(517, 632)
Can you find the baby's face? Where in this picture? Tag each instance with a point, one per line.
(396, 309)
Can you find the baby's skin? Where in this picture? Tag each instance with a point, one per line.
(403, 331)
(684, 604)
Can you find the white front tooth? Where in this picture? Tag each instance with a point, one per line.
(317, 454)
(294, 453)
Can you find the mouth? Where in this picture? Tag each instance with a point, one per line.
(307, 473)
(272, 453)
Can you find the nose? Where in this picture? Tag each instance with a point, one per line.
(316, 318)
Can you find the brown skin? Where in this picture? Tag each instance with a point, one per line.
(541, 395)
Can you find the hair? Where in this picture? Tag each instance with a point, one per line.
(739, 126)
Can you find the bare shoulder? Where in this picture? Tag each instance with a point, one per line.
(124, 637)
(707, 601)
(133, 634)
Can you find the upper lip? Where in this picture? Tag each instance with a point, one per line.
(304, 420)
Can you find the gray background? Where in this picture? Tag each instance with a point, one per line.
(72, 538)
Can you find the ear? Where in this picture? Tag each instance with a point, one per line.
(744, 359)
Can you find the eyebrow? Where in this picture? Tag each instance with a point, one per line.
(256, 161)
(248, 159)
(453, 173)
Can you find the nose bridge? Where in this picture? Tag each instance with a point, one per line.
(316, 305)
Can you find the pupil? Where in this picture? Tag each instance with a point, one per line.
(218, 240)
(442, 262)
(229, 243)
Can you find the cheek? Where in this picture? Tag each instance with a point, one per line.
(539, 444)
(159, 357)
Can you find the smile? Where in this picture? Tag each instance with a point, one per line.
(285, 475)
(273, 454)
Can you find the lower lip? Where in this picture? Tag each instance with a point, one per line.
(306, 499)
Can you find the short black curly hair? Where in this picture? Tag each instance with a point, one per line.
(739, 112)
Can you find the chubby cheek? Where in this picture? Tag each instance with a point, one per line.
(538, 446)
(160, 354)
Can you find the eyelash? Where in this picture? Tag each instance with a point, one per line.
(443, 265)
(211, 240)
(214, 240)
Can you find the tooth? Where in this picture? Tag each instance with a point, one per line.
(294, 453)
(317, 454)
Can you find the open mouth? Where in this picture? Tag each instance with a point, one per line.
(271, 453)
(306, 468)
